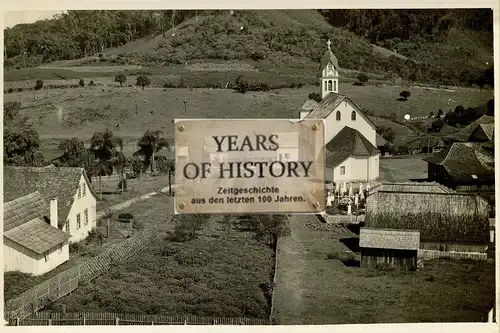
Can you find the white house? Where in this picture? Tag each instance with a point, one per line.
(350, 135)
(32, 241)
(77, 200)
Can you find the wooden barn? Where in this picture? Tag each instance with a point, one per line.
(447, 220)
(389, 248)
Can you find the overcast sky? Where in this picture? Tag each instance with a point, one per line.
(12, 18)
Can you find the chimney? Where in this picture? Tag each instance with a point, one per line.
(53, 212)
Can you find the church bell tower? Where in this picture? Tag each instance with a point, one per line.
(329, 81)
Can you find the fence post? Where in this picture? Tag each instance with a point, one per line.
(17, 321)
(117, 321)
(84, 320)
(50, 322)
(152, 323)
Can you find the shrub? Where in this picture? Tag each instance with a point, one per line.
(10, 90)
(362, 78)
(81, 83)
(437, 125)
(119, 185)
(121, 78)
(91, 83)
(125, 216)
(39, 85)
(405, 94)
(76, 247)
(315, 96)
(143, 81)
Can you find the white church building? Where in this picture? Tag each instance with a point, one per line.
(351, 146)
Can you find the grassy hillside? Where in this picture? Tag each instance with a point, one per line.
(281, 41)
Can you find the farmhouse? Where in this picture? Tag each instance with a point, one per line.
(465, 167)
(446, 220)
(32, 242)
(389, 247)
(481, 130)
(77, 200)
(345, 124)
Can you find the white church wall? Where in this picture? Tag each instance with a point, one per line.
(334, 126)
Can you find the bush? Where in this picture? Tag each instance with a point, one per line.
(81, 83)
(315, 96)
(119, 185)
(121, 78)
(125, 216)
(39, 85)
(362, 78)
(10, 90)
(76, 247)
(405, 94)
(143, 81)
(437, 125)
(91, 83)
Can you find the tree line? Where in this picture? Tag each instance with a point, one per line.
(103, 157)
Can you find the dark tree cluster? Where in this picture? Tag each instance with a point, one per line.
(462, 116)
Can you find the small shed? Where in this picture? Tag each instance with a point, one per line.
(389, 247)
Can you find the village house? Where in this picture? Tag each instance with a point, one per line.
(481, 130)
(389, 248)
(76, 199)
(345, 125)
(447, 220)
(32, 241)
(464, 167)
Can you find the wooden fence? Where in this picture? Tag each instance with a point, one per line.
(106, 318)
(433, 254)
(62, 284)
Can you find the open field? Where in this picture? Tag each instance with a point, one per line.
(441, 291)
(401, 169)
(208, 276)
(129, 112)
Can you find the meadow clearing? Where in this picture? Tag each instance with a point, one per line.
(310, 273)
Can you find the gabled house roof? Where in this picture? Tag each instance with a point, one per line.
(330, 103)
(326, 58)
(465, 133)
(51, 182)
(25, 223)
(380, 140)
(348, 142)
(466, 162)
(389, 239)
(309, 105)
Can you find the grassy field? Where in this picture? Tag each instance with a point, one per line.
(129, 112)
(441, 291)
(208, 276)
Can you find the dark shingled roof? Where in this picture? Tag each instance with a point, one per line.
(25, 224)
(466, 162)
(411, 187)
(309, 105)
(326, 58)
(389, 239)
(52, 182)
(465, 134)
(348, 142)
(330, 103)
(21, 210)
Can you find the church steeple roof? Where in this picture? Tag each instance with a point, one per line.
(328, 57)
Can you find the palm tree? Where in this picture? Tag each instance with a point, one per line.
(150, 143)
(104, 146)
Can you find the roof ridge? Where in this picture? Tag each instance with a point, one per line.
(25, 197)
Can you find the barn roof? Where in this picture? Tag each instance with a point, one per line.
(328, 57)
(440, 217)
(53, 182)
(348, 142)
(465, 134)
(466, 162)
(309, 105)
(389, 239)
(25, 224)
(21, 210)
(411, 187)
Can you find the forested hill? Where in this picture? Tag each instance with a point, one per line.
(442, 46)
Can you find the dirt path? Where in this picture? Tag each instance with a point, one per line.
(127, 203)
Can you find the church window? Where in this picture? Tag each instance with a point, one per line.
(342, 170)
(338, 115)
(326, 85)
(330, 85)
(353, 115)
(334, 85)
(330, 66)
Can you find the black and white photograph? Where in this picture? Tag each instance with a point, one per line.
(259, 167)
